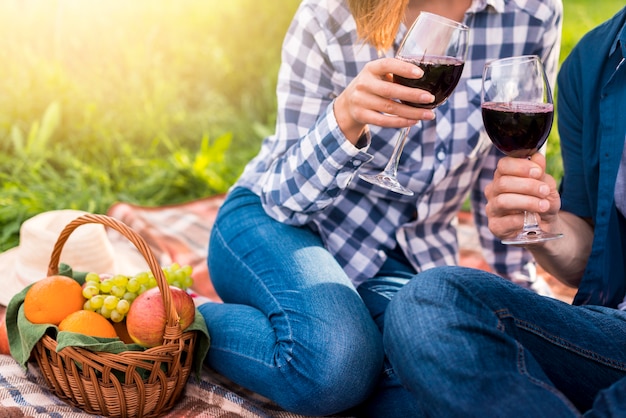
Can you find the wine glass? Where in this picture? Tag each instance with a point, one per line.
(438, 46)
(517, 112)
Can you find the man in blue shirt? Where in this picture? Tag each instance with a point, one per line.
(468, 343)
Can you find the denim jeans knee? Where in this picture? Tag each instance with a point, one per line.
(469, 343)
(292, 326)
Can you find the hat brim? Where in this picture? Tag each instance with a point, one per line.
(128, 261)
(10, 282)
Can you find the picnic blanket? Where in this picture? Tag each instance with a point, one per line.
(23, 393)
(175, 233)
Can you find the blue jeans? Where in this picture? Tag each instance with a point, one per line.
(390, 399)
(292, 326)
(468, 343)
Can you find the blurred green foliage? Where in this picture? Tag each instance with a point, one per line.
(147, 101)
(144, 101)
(580, 16)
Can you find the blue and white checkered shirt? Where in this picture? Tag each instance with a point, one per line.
(306, 172)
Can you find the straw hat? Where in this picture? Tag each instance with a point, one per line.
(87, 249)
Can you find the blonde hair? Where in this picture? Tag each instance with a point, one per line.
(377, 21)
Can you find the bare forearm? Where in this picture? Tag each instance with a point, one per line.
(566, 258)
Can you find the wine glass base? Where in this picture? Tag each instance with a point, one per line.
(388, 182)
(530, 237)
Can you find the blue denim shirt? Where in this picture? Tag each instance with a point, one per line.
(592, 127)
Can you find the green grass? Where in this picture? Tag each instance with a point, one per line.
(146, 101)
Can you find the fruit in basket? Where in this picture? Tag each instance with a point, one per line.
(88, 323)
(147, 318)
(51, 299)
(112, 295)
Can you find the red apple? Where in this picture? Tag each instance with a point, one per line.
(147, 318)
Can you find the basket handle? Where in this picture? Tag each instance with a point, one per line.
(139, 243)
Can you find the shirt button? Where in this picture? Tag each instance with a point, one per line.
(441, 155)
(356, 163)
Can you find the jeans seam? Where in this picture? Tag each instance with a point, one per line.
(560, 342)
(521, 367)
(569, 346)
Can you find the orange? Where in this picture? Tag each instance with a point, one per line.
(88, 323)
(50, 300)
(4, 338)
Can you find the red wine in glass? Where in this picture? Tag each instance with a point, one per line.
(518, 129)
(517, 110)
(437, 45)
(441, 75)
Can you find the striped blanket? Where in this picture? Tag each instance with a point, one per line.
(175, 233)
(24, 393)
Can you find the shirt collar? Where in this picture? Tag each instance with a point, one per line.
(476, 6)
(479, 5)
(619, 43)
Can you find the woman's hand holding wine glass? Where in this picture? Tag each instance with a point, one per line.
(517, 113)
(371, 99)
(437, 46)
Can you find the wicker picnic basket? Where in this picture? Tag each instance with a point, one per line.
(129, 384)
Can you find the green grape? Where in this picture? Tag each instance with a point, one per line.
(112, 296)
(133, 285)
(97, 301)
(187, 270)
(90, 291)
(122, 306)
(187, 282)
(105, 312)
(179, 276)
(130, 296)
(143, 278)
(106, 285)
(118, 291)
(120, 280)
(92, 277)
(115, 316)
(110, 302)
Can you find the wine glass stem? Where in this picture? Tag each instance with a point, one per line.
(391, 169)
(530, 223)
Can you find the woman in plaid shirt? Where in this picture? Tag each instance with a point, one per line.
(304, 254)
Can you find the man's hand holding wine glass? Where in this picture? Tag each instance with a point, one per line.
(517, 113)
(519, 185)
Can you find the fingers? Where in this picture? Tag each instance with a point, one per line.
(393, 94)
(373, 98)
(520, 185)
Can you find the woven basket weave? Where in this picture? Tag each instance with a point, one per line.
(129, 384)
